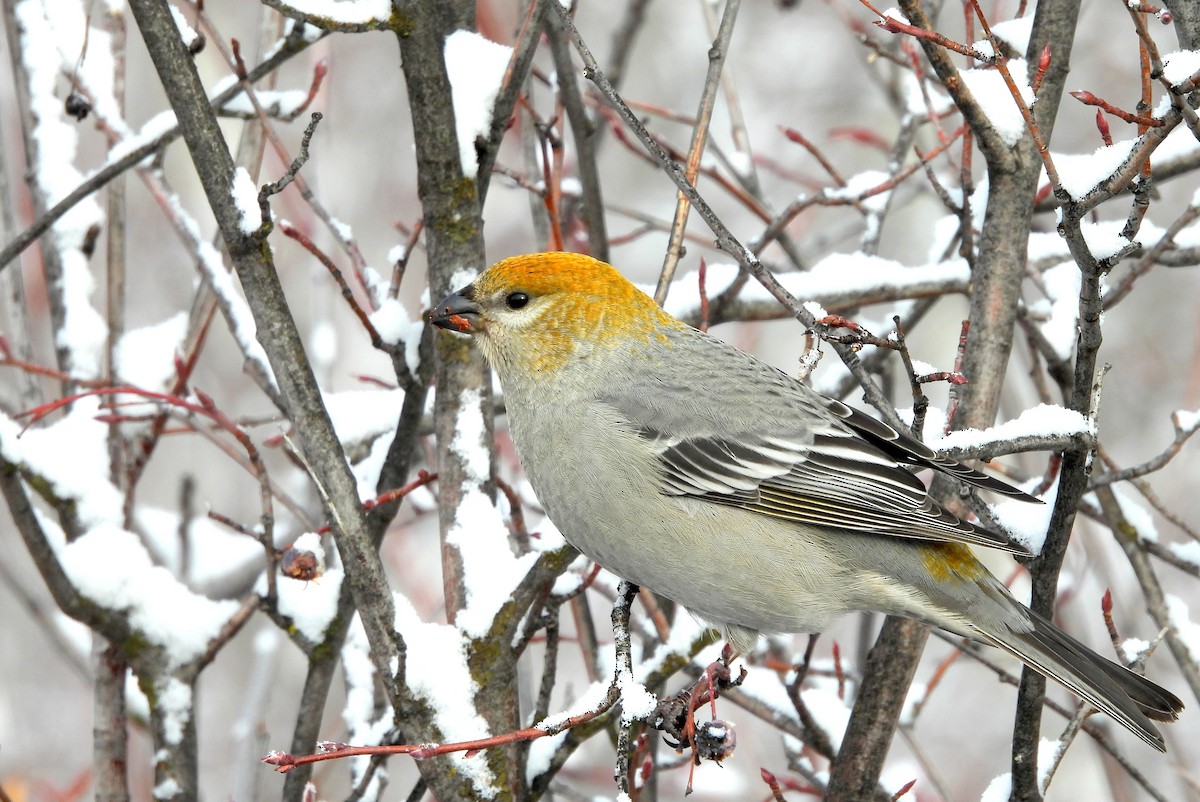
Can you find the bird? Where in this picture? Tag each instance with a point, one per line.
(687, 466)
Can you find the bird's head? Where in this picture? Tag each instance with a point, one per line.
(540, 312)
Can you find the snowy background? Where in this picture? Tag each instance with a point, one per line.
(801, 67)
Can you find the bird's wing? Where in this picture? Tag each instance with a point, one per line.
(910, 451)
(837, 481)
(777, 448)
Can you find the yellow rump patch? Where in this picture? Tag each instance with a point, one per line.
(946, 561)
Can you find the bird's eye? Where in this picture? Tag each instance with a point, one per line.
(516, 300)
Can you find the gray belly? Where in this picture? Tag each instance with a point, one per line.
(727, 565)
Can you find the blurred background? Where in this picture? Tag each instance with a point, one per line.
(799, 65)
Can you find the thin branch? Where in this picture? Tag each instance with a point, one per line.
(293, 45)
(1127, 537)
(583, 134)
(708, 101)
(726, 240)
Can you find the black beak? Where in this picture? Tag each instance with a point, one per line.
(457, 312)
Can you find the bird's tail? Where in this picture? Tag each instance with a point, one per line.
(1129, 698)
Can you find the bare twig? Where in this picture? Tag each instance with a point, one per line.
(708, 101)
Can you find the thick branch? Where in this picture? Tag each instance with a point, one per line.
(454, 241)
(276, 329)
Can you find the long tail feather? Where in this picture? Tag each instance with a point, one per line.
(1129, 698)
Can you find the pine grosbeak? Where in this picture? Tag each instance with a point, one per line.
(687, 466)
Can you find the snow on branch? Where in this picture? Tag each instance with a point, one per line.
(491, 572)
(71, 455)
(839, 280)
(54, 142)
(1044, 427)
(475, 66)
(344, 15)
(111, 566)
(437, 672)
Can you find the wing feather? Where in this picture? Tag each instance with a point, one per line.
(910, 451)
(839, 481)
(791, 453)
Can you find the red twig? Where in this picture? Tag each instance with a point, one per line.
(777, 787)
(1106, 608)
(838, 670)
(952, 377)
(516, 514)
(952, 406)
(328, 750)
(861, 135)
(1043, 66)
(1102, 127)
(7, 358)
(795, 136)
(291, 231)
(204, 406)
(1087, 98)
(894, 25)
(773, 784)
(401, 264)
(423, 478)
